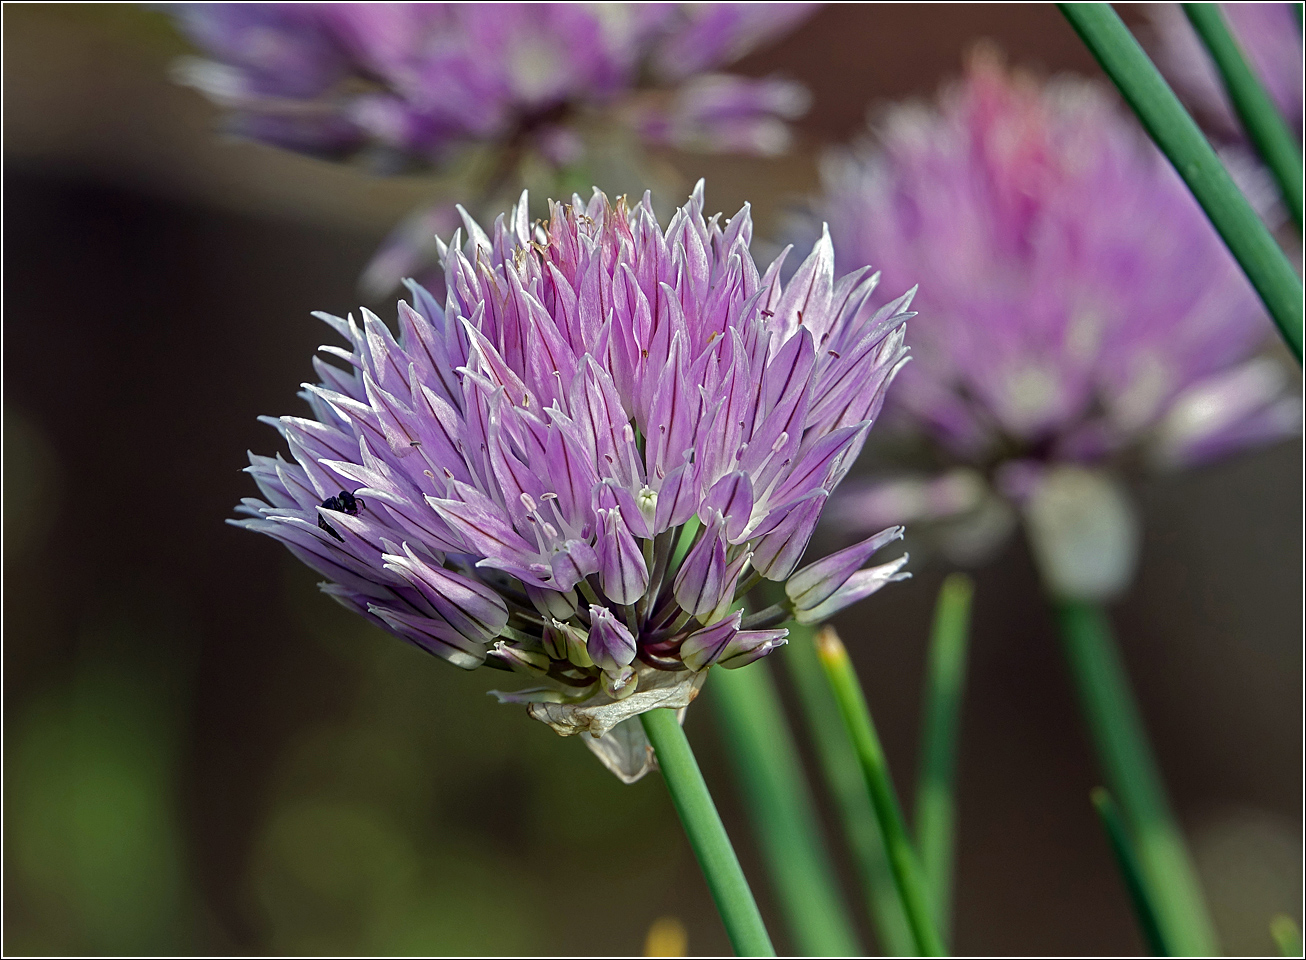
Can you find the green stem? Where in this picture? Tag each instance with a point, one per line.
(707, 835)
(1132, 775)
(1178, 137)
(1127, 860)
(936, 793)
(861, 728)
(843, 776)
(780, 805)
(1260, 118)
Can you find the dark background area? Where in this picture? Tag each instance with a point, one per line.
(202, 754)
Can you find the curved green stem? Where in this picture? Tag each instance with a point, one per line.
(1132, 775)
(779, 803)
(707, 835)
(844, 778)
(936, 790)
(915, 896)
(1178, 137)
(1260, 118)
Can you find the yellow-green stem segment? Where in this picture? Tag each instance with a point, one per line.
(847, 786)
(916, 899)
(707, 835)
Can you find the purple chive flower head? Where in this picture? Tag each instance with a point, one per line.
(576, 466)
(413, 82)
(1270, 38)
(1076, 305)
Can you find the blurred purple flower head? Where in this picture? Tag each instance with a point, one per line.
(1076, 306)
(413, 82)
(576, 467)
(1270, 38)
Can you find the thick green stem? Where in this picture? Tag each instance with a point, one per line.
(707, 835)
(779, 803)
(1122, 845)
(1260, 118)
(848, 694)
(936, 790)
(1178, 137)
(1132, 776)
(844, 778)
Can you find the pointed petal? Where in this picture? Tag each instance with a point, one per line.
(814, 584)
(861, 584)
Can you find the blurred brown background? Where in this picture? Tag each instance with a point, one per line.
(204, 755)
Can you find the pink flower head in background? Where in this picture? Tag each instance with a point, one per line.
(576, 467)
(1076, 307)
(495, 96)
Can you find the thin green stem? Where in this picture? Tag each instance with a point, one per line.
(707, 835)
(780, 805)
(848, 694)
(1127, 860)
(1260, 118)
(1132, 775)
(843, 776)
(1178, 137)
(936, 790)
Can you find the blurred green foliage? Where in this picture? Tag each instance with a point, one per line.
(92, 817)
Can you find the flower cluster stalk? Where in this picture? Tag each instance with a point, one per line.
(1260, 118)
(843, 777)
(707, 835)
(915, 895)
(1132, 776)
(779, 802)
(1177, 135)
(936, 790)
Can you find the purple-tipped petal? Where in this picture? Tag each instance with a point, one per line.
(777, 553)
(814, 584)
(610, 643)
(746, 646)
(860, 585)
(472, 608)
(732, 497)
(573, 562)
(622, 572)
(703, 647)
(701, 578)
(433, 636)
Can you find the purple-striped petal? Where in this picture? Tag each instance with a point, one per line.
(703, 647)
(860, 585)
(814, 584)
